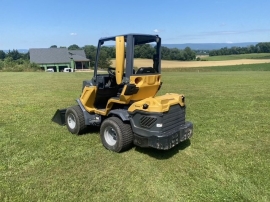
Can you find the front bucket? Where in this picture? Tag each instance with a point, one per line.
(59, 117)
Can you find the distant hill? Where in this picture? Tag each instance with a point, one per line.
(208, 46)
(19, 50)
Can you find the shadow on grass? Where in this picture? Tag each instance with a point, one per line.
(164, 154)
(155, 153)
(90, 130)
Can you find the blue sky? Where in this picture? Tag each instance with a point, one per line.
(42, 23)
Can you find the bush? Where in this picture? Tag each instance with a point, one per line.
(20, 65)
(1, 65)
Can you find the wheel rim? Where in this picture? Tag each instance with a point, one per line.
(71, 121)
(110, 136)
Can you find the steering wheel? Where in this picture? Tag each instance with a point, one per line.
(111, 71)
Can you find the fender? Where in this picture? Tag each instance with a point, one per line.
(90, 119)
(121, 113)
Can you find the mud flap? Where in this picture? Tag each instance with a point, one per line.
(59, 117)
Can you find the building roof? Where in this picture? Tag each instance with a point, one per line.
(78, 55)
(56, 55)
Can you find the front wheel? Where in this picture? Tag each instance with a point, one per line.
(116, 135)
(75, 120)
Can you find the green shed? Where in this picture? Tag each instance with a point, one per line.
(59, 58)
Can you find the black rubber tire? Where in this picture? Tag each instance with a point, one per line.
(75, 120)
(123, 134)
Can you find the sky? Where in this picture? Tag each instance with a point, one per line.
(28, 24)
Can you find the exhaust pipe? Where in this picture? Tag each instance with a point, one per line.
(59, 117)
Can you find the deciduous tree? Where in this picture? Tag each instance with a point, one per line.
(2, 55)
(74, 47)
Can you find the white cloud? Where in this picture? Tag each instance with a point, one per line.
(156, 30)
(73, 34)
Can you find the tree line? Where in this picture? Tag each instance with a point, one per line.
(16, 62)
(14, 55)
(106, 54)
(145, 51)
(19, 61)
(263, 47)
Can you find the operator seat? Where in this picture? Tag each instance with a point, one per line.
(146, 70)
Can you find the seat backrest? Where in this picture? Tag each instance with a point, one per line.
(146, 70)
(106, 89)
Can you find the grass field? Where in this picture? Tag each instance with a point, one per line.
(256, 56)
(191, 64)
(226, 160)
(244, 67)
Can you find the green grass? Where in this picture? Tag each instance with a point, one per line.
(227, 159)
(240, 56)
(245, 67)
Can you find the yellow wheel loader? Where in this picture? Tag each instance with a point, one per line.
(123, 102)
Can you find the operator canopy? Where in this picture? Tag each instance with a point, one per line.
(124, 45)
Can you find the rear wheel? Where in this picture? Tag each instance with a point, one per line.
(75, 120)
(116, 135)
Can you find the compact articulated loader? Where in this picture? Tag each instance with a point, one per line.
(122, 102)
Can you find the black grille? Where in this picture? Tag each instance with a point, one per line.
(147, 121)
(174, 118)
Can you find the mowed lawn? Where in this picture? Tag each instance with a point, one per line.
(227, 159)
(257, 56)
(209, 62)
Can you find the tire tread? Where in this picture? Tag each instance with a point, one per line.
(78, 113)
(125, 138)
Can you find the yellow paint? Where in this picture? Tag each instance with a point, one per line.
(155, 104)
(88, 98)
(120, 58)
(148, 86)
(109, 105)
(158, 104)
